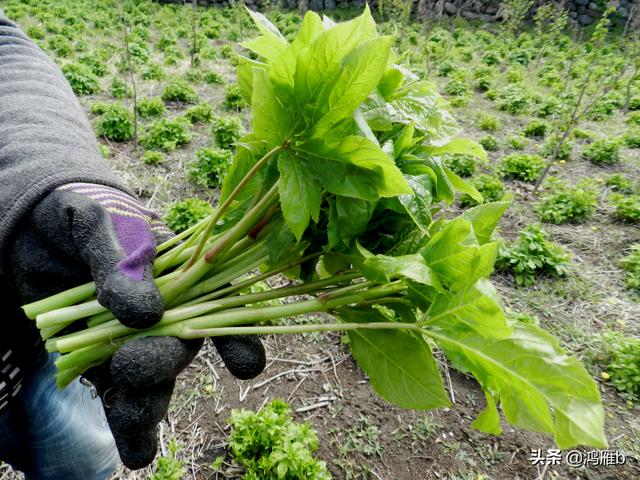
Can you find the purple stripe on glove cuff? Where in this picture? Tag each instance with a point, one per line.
(138, 243)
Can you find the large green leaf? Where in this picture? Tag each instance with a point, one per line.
(271, 120)
(399, 364)
(418, 103)
(352, 217)
(456, 257)
(418, 205)
(300, 194)
(476, 306)
(463, 187)
(322, 59)
(245, 76)
(458, 146)
(266, 28)
(412, 267)
(360, 72)
(248, 151)
(359, 152)
(374, 110)
(310, 29)
(537, 384)
(484, 219)
(280, 241)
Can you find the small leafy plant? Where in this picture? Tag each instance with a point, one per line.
(562, 151)
(152, 157)
(490, 186)
(119, 89)
(603, 152)
(521, 167)
(535, 129)
(200, 113)
(166, 135)
(621, 356)
(565, 203)
(627, 208)
(269, 444)
(233, 99)
(620, 183)
(116, 123)
(150, 107)
(213, 78)
(209, 167)
(517, 142)
(179, 91)
(82, 80)
(169, 467)
(226, 131)
(489, 143)
(462, 165)
(631, 265)
(533, 255)
(181, 215)
(488, 123)
(513, 99)
(631, 138)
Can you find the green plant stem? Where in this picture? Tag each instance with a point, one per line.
(188, 333)
(217, 215)
(60, 300)
(182, 235)
(114, 329)
(189, 277)
(253, 280)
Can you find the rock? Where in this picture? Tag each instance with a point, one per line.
(585, 19)
(573, 14)
(583, 3)
(329, 4)
(315, 5)
(594, 6)
(450, 8)
(623, 12)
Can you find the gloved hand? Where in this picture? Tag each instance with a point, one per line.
(81, 232)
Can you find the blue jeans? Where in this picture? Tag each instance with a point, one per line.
(52, 434)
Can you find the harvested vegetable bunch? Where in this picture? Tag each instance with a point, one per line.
(340, 185)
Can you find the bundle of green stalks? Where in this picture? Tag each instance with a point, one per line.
(340, 187)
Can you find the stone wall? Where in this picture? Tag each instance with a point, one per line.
(584, 12)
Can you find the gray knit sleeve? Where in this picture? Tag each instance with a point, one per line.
(45, 138)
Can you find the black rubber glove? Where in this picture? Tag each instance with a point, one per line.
(82, 232)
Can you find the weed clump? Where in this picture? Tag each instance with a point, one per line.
(181, 215)
(150, 107)
(521, 167)
(532, 255)
(490, 186)
(565, 203)
(209, 167)
(462, 165)
(179, 91)
(226, 131)
(166, 135)
(269, 444)
(603, 152)
(115, 123)
(82, 80)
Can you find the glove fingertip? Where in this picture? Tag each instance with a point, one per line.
(144, 362)
(137, 451)
(137, 304)
(243, 355)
